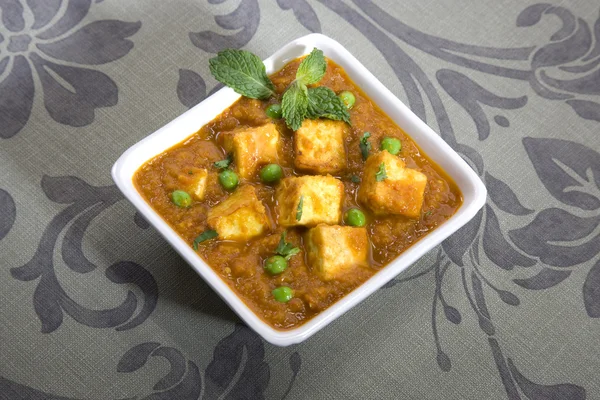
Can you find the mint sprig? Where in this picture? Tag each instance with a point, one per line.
(294, 105)
(312, 68)
(323, 103)
(245, 73)
(242, 71)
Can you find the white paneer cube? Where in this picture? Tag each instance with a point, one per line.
(193, 180)
(309, 200)
(241, 216)
(334, 250)
(198, 185)
(388, 187)
(252, 147)
(319, 146)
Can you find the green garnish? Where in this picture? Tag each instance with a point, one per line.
(286, 249)
(355, 179)
(323, 103)
(245, 73)
(190, 172)
(224, 163)
(242, 71)
(294, 105)
(300, 102)
(364, 145)
(428, 213)
(206, 235)
(381, 175)
(312, 68)
(278, 263)
(299, 209)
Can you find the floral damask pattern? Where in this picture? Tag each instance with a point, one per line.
(8, 213)
(567, 169)
(238, 370)
(484, 234)
(50, 300)
(49, 46)
(567, 67)
(564, 238)
(571, 45)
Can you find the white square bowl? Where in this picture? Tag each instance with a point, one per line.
(187, 124)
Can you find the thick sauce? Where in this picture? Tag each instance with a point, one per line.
(241, 264)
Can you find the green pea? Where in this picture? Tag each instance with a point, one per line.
(274, 111)
(181, 198)
(392, 145)
(283, 294)
(355, 217)
(271, 173)
(347, 98)
(276, 265)
(229, 179)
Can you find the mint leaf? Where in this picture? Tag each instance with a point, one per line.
(224, 163)
(312, 68)
(299, 209)
(323, 103)
(242, 71)
(294, 105)
(364, 145)
(245, 73)
(286, 249)
(206, 235)
(381, 174)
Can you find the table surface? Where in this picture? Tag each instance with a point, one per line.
(509, 306)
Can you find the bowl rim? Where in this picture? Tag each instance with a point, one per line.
(473, 189)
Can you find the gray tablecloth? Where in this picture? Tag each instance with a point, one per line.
(95, 305)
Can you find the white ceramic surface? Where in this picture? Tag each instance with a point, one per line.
(470, 184)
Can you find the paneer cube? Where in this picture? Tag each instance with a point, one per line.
(193, 180)
(334, 250)
(252, 147)
(319, 146)
(309, 200)
(242, 216)
(388, 187)
(197, 186)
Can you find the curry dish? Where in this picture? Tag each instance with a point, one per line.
(345, 216)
